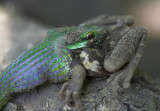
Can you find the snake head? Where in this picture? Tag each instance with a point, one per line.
(86, 36)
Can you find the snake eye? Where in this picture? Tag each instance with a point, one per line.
(90, 35)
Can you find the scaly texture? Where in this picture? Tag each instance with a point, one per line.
(34, 66)
(48, 61)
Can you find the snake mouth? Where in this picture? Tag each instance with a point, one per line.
(82, 44)
(78, 45)
(88, 42)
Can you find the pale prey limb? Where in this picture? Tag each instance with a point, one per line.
(71, 90)
(125, 57)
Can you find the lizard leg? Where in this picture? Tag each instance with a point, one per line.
(71, 90)
(125, 57)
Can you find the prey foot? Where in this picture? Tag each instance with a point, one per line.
(123, 76)
(71, 90)
(68, 94)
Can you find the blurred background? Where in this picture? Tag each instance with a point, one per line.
(24, 23)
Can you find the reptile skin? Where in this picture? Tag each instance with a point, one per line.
(48, 61)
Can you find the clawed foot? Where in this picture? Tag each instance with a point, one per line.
(71, 95)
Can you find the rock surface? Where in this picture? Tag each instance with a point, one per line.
(96, 95)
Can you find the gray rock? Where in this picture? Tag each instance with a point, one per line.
(96, 96)
(142, 95)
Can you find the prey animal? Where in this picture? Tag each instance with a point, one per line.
(66, 55)
(50, 60)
